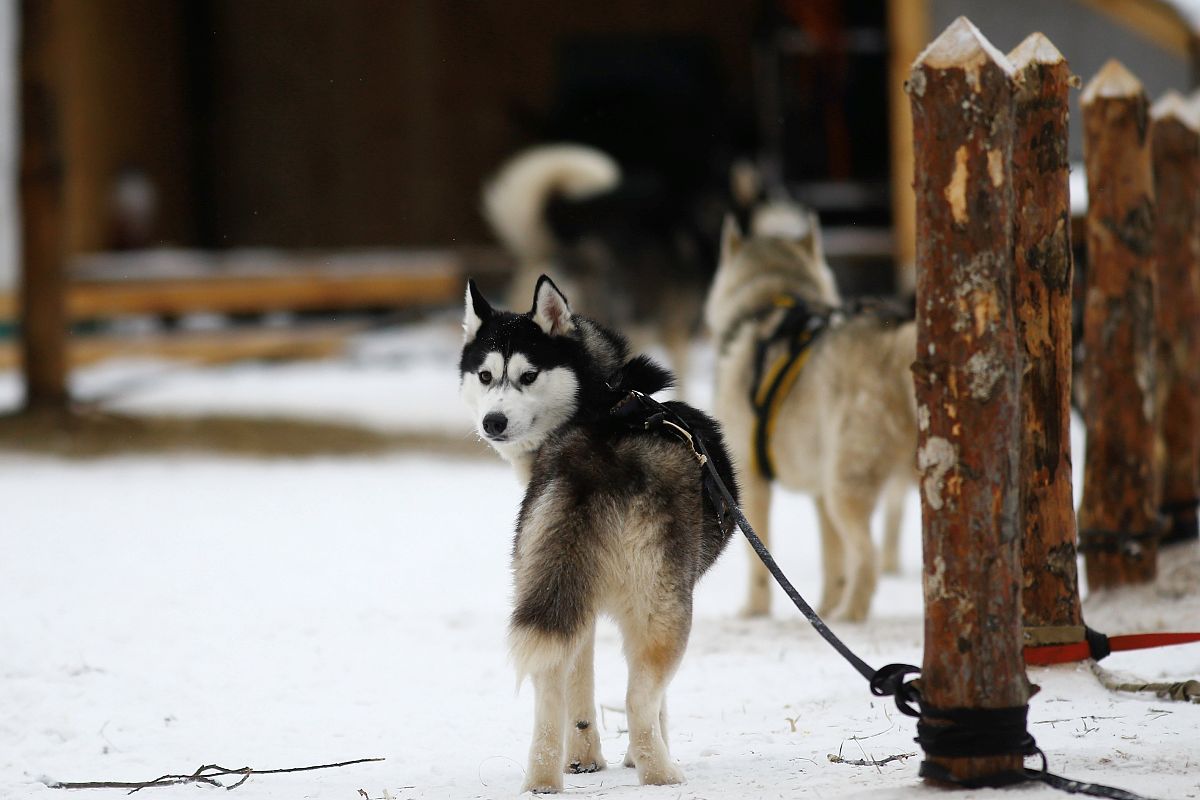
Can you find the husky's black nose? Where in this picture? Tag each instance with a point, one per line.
(494, 423)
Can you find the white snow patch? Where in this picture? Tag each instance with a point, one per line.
(164, 612)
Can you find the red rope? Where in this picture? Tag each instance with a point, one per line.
(1080, 651)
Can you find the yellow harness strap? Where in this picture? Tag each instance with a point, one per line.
(798, 329)
(790, 367)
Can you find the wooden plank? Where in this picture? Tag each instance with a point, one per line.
(111, 285)
(207, 347)
(90, 299)
(43, 260)
(1042, 232)
(1118, 515)
(967, 378)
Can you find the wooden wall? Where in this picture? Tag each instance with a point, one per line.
(312, 123)
(374, 122)
(123, 106)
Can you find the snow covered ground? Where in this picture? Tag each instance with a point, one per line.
(162, 612)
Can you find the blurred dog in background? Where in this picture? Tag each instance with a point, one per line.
(636, 246)
(814, 397)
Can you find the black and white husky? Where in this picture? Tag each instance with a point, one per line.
(615, 520)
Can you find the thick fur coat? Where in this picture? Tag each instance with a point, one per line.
(845, 433)
(614, 521)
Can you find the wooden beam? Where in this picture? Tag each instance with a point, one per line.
(1118, 515)
(115, 284)
(967, 377)
(44, 328)
(1042, 233)
(92, 299)
(908, 31)
(1175, 144)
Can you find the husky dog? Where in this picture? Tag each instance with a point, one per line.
(614, 520)
(846, 430)
(633, 243)
(517, 200)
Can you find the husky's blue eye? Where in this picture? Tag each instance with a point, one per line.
(529, 377)
(485, 377)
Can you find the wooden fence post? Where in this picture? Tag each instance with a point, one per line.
(1042, 233)
(44, 323)
(967, 383)
(1175, 144)
(1118, 518)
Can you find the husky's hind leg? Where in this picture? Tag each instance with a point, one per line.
(895, 495)
(545, 773)
(662, 726)
(547, 658)
(583, 740)
(851, 510)
(553, 619)
(654, 646)
(833, 560)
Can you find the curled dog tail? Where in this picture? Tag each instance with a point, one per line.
(514, 200)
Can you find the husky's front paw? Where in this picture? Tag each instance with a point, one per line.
(663, 774)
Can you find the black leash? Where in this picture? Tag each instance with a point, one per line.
(961, 732)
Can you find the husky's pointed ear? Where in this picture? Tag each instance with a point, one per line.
(731, 237)
(550, 309)
(477, 312)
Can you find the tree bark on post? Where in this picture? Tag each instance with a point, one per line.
(44, 322)
(1118, 517)
(967, 383)
(1175, 145)
(1042, 255)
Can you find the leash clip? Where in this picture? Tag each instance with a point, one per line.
(700, 457)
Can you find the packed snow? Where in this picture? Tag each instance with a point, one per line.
(167, 611)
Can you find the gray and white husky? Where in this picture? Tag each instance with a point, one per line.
(846, 430)
(615, 520)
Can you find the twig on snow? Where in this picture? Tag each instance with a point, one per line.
(206, 773)
(874, 762)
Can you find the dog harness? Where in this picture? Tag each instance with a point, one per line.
(798, 329)
(640, 412)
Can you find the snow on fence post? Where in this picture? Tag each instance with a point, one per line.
(1042, 247)
(1118, 517)
(967, 383)
(44, 323)
(1175, 144)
